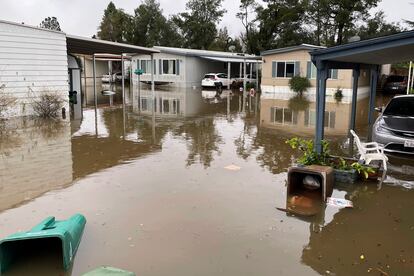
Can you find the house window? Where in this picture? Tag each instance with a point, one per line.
(310, 118)
(311, 72)
(284, 116)
(285, 69)
(333, 74)
(169, 67)
(146, 66)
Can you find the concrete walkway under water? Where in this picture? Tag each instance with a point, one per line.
(159, 200)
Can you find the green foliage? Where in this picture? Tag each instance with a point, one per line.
(309, 155)
(247, 15)
(223, 42)
(299, 84)
(298, 103)
(338, 95)
(377, 26)
(115, 25)
(362, 169)
(151, 28)
(50, 23)
(198, 23)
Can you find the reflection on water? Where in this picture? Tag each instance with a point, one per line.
(298, 114)
(35, 158)
(151, 181)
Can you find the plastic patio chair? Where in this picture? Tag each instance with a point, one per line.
(370, 152)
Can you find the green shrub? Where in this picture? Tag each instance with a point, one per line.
(299, 84)
(309, 155)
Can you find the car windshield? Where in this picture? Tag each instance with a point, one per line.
(209, 76)
(395, 79)
(403, 106)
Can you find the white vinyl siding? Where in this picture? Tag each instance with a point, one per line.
(285, 69)
(32, 61)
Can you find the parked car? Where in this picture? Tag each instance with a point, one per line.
(118, 76)
(215, 79)
(395, 84)
(394, 128)
(238, 82)
(107, 78)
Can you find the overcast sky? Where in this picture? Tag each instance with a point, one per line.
(82, 17)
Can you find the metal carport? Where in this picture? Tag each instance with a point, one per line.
(367, 54)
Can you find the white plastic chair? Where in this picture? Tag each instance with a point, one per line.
(370, 152)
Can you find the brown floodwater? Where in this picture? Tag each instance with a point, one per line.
(159, 199)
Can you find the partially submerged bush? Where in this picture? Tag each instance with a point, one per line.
(299, 84)
(47, 105)
(7, 100)
(309, 155)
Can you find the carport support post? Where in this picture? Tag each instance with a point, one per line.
(94, 81)
(373, 92)
(123, 80)
(152, 83)
(244, 84)
(355, 78)
(123, 95)
(228, 74)
(322, 75)
(257, 75)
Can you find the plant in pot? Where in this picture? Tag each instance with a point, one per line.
(344, 170)
(309, 155)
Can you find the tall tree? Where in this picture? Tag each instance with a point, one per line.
(198, 23)
(280, 23)
(50, 23)
(246, 15)
(152, 28)
(377, 26)
(335, 20)
(115, 25)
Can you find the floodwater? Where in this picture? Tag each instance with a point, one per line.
(193, 188)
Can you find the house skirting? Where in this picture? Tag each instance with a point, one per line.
(363, 91)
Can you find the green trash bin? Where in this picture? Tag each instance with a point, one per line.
(109, 271)
(66, 233)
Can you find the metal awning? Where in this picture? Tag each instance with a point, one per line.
(366, 54)
(90, 46)
(248, 59)
(382, 50)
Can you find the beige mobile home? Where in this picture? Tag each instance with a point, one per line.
(279, 65)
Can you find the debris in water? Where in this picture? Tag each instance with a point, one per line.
(232, 167)
(339, 202)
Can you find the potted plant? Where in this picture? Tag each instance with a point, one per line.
(346, 171)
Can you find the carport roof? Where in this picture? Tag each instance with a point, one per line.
(231, 60)
(90, 46)
(382, 50)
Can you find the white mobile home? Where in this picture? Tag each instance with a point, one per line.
(32, 61)
(180, 67)
(35, 61)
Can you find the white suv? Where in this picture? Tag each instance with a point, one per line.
(213, 79)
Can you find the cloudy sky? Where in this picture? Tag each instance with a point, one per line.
(82, 17)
